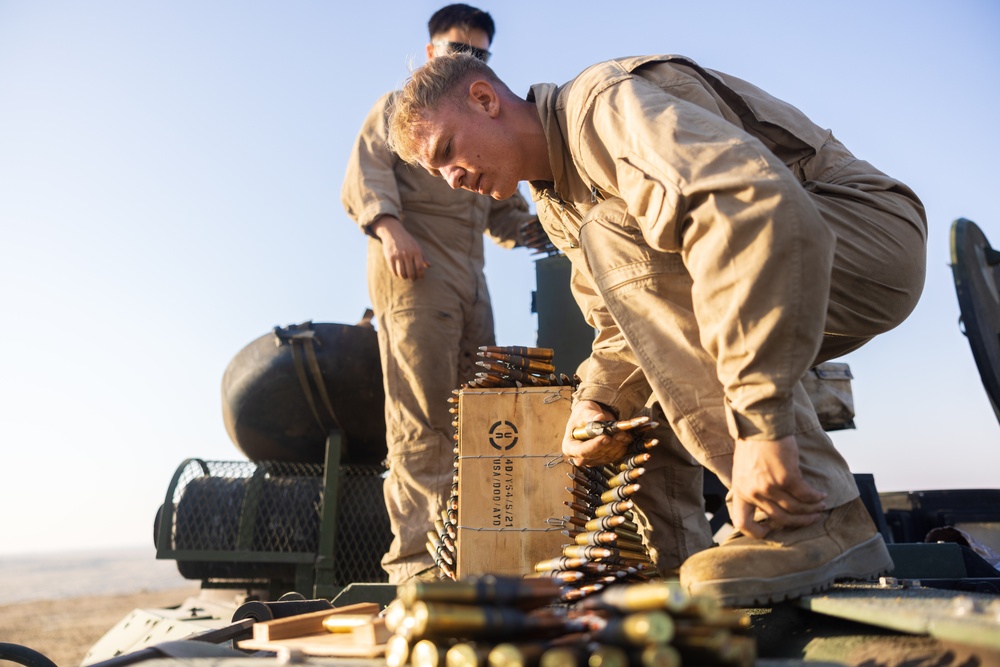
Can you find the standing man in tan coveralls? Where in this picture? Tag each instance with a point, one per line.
(722, 244)
(428, 291)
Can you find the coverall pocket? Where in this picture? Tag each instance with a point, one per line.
(829, 389)
(652, 203)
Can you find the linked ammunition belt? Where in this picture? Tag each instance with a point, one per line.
(514, 622)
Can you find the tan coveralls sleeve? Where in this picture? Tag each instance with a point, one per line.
(370, 189)
(613, 376)
(757, 250)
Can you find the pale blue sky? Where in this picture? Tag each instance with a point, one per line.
(169, 191)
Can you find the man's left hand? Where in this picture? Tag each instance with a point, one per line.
(767, 479)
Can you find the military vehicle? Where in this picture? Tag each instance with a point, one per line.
(300, 526)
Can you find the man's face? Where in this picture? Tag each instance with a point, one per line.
(467, 146)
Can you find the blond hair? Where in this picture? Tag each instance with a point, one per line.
(427, 88)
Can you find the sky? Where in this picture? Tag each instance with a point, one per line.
(170, 180)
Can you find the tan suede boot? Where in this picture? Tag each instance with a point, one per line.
(744, 571)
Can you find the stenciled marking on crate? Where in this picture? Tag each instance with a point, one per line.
(503, 436)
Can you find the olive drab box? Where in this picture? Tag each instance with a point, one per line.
(511, 478)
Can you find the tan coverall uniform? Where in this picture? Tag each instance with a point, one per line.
(722, 244)
(429, 329)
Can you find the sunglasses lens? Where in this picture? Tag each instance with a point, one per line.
(479, 53)
(474, 51)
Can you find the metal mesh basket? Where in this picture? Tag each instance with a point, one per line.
(363, 532)
(240, 519)
(238, 506)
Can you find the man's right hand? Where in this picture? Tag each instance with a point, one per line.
(768, 489)
(402, 252)
(596, 451)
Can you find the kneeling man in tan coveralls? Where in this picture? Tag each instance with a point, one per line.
(722, 244)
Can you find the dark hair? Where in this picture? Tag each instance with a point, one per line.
(461, 16)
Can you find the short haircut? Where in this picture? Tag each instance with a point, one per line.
(427, 88)
(461, 16)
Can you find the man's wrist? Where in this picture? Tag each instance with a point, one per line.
(752, 425)
(599, 398)
(383, 226)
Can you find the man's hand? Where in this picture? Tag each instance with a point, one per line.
(767, 481)
(596, 451)
(402, 252)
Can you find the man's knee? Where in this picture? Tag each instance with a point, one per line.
(880, 259)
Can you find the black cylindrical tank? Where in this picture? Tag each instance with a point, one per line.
(284, 392)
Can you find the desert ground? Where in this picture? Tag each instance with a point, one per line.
(63, 630)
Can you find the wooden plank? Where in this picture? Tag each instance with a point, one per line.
(362, 641)
(306, 624)
(328, 644)
(372, 634)
(511, 478)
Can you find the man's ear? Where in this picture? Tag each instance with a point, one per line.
(483, 97)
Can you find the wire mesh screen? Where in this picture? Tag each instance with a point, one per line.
(276, 507)
(240, 505)
(363, 533)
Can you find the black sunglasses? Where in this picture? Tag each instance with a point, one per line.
(443, 47)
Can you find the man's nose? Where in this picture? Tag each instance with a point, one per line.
(454, 176)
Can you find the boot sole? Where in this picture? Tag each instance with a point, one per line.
(863, 561)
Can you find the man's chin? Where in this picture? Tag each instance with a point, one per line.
(500, 195)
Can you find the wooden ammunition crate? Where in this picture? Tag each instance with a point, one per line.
(511, 478)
